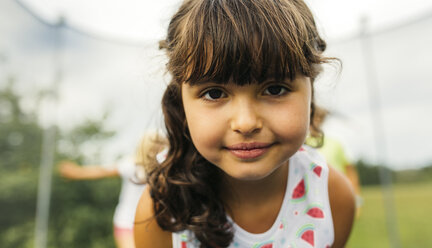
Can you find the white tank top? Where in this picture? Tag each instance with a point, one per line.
(130, 194)
(304, 219)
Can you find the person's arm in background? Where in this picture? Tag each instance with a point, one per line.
(351, 173)
(71, 170)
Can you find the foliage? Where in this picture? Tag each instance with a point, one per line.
(20, 135)
(81, 212)
(414, 175)
(369, 174)
(77, 142)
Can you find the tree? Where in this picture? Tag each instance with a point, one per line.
(81, 212)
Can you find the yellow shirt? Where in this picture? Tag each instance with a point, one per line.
(333, 152)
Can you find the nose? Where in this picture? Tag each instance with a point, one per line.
(246, 118)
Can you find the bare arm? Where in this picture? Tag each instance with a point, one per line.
(146, 230)
(342, 204)
(352, 175)
(74, 171)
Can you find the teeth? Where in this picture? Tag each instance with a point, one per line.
(248, 148)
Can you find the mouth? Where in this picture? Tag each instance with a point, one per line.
(249, 150)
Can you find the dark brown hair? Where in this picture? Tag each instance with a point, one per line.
(240, 41)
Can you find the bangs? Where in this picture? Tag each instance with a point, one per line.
(242, 42)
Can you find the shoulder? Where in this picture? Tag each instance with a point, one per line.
(146, 230)
(342, 204)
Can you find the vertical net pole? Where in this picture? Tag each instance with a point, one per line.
(379, 135)
(48, 153)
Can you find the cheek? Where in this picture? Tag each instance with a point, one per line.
(204, 126)
(206, 137)
(292, 124)
(206, 130)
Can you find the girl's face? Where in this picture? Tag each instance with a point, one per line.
(248, 131)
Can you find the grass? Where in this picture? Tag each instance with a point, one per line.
(413, 207)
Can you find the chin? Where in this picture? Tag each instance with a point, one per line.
(249, 174)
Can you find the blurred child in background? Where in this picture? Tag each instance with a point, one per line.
(334, 153)
(131, 170)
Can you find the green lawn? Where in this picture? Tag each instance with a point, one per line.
(414, 221)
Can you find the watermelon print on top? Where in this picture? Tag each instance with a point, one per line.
(268, 244)
(316, 169)
(299, 192)
(304, 220)
(315, 211)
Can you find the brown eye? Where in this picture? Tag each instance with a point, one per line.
(213, 94)
(275, 90)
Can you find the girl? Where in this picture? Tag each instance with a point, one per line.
(237, 113)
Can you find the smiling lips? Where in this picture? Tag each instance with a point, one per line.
(249, 150)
